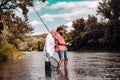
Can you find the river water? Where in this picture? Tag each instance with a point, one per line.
(81, 66)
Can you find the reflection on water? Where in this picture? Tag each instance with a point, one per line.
(63, 76)
(81, 66)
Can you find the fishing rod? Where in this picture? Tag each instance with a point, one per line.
(41, 19)
(53, 60)
(46, 25)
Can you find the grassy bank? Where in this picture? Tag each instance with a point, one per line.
(8, 51)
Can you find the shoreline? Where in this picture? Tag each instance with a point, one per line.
(12, 57)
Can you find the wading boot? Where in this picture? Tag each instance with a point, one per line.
(47, 66)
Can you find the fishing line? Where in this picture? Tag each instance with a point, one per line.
(41, 19)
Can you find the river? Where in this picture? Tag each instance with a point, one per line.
(81, 66)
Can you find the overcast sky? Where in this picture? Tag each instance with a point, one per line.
(58, 12)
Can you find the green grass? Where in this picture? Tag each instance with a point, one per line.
(9, 51)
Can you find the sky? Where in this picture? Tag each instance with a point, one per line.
(58, 12)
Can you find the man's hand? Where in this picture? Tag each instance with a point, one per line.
(69, 44)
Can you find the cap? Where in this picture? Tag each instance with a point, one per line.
(59, 28)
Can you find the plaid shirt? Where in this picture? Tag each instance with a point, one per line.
(60, 43)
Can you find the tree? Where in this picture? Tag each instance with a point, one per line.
(110, 9)
(14, 4)
(87, 34)
(94, 31)
(98, 35)
(17, 27)
(78, 26)
(13, 27)
(42, 40)
(1, 27)
(64, 29)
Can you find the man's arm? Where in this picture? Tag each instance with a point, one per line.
(47, 41)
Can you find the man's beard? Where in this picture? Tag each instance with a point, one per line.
(61, 33)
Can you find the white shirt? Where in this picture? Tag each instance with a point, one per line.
(49, 46)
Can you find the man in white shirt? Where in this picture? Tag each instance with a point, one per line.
(49, 49)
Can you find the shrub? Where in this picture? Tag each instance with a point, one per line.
(9, 50)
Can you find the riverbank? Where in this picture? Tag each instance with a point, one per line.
(83, 50)
(13, 56)
(9, 52)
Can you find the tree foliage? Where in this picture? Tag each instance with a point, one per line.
(86, 32)
(12, 27)
(110, 9)
(99, 35)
